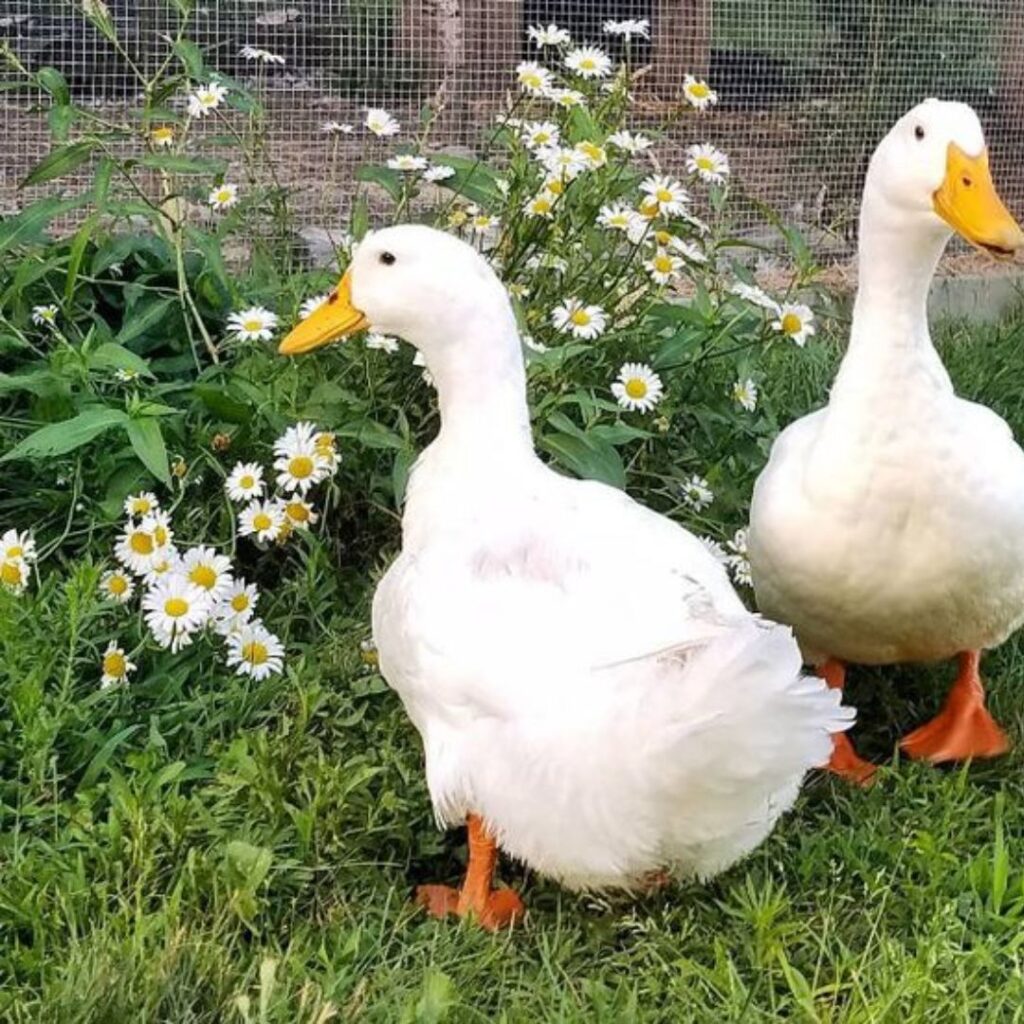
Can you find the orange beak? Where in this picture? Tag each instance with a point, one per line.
(335, 319)
(968, 202)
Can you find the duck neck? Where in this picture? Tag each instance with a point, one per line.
(889, 338)
(481, 388)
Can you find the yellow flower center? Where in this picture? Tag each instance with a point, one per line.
(160, 536)
(176, 607)
(261, 521)
(664, 195)
(255, 653)
(223, 195)
(247, 481)
(555, 186)
(698, 90)
(662, 237)
(203, 576)
(117, 585)
(141, 506)
(649, 208)
(324, 444)
(301, 466)
(457, 218)
(208, 99)
(705, 163)
(240, 603)
(588, 64)
(663, 264)
(541, 206)
(162, 134)
(252, 325)
(10, 573)
(15, 551)
(541, 138)
(580, 317)
(531, 79)
(114, 665)
(482, 221)
(141, 543)
(297, 511)
(636, 388)
(791, 324)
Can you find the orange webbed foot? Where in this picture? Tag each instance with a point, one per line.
(963, 729)
(437, 900)
(845, 761)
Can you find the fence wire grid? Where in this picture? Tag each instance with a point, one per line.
(806, 87)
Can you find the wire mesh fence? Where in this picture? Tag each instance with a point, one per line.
(806, 86)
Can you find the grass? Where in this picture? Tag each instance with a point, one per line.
(200, 850)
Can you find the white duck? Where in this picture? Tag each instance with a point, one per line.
(889, 526)
(590, 691)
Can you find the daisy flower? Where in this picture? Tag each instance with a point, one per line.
(539, 134)
(708, 163)
(533, 345)
(588, 62)
(135, 548)
(126, 376)
(541, 205)
(696, 493)
(428, 377)
(744, 394)
(311, 305)
(261, 519)
(245, 482)
(158, 525)
(381, 123)
(164, 561)
(534, 78)
(698, 93)
(594, 155)
(582, 321)
(407, 162)
(44, 316)
(715, 550)
(254, 53)
(687, 249)
(381, 342)
(337, 128)
(117, 586)
(18, 545)
(141, 504)
(638, 388)
(14, 574)
(663, 266)
(236, 607)
(669, 195)
(481, 222)
(547, 261)
(162, 136)
(795, 321)
(563, 163)
(754, 295)
(738, 561)
(253, 324)
(208, 570)
(298, 513)
(205, 99)
(438, 172)
(223, 197)
(627, 28)
(174, 609)
(255, 651)
(567, 98)
(548, 35)
(116, 666)
(630, 142)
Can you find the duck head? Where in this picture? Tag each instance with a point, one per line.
(930, 176)
(415, 282)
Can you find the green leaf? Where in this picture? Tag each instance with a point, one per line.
(101, 182)
(112, 356)
(191, 57)
(215, 266)
(247, 865)
(176, 164)
(77, 253)
(148, 442)
(400, 470)
(59, 162)
(53, 82)
(60, 118)
(38, 382)
(66, 436)
(140, 322)
(360, 219)
(371, 434)
(674, 350)
(221, 404)
(587, 457)
(27, 227)
(389, 180)
(473, 179)
(103, 755)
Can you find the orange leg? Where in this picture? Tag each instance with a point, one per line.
(493, 908)
(845, 761)
(963, 728)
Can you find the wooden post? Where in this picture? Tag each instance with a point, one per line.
(681, 34)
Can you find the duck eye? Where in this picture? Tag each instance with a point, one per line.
(919, 133)
(387, 258)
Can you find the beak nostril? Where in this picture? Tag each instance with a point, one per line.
(332, 298)
(967, 181)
